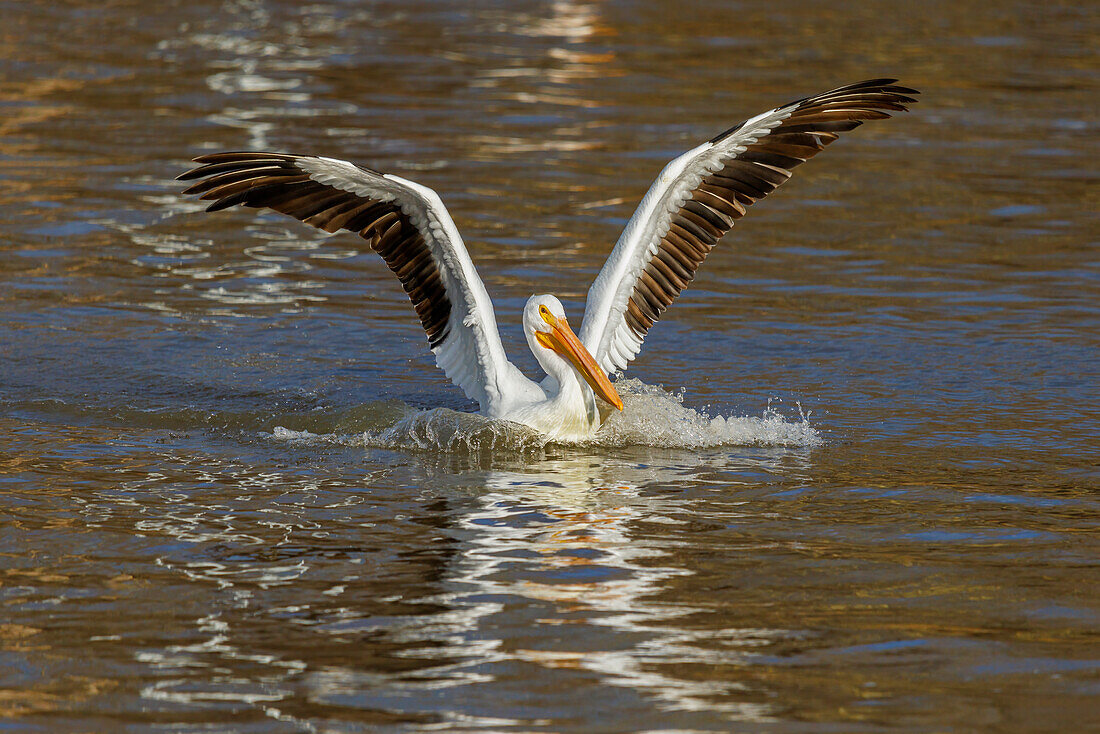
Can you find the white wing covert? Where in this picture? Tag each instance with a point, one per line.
(697, 198)
(407, 225)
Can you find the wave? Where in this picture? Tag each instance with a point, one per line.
(651, 417)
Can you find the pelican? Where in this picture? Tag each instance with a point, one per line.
(693, 203)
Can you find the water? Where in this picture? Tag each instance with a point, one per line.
(855, 485)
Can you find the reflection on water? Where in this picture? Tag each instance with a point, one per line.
(237, 495)
(561, 541)
(552, 558)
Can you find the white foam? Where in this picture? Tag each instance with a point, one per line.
(285, 434)
(651, 416)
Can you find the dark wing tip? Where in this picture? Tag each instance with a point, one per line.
(227, 201)
(228, 156)
(209, 160)
(894, 97)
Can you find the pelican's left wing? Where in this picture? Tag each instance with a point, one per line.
(698, 197)
(407, 225)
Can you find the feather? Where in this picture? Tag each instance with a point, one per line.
(700, 195)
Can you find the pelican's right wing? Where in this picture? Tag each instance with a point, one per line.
(697, 198)
(406, 224)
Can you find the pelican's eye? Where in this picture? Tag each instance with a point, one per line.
(548, 317)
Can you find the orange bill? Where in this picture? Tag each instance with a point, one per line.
(563, 341)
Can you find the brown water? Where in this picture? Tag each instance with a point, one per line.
(226, 501)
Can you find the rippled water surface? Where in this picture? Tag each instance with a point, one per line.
(855, 485)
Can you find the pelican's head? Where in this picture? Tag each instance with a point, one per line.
(547, 329)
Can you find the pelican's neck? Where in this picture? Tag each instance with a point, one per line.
(564, 379)
(568, 388)
(569, 399)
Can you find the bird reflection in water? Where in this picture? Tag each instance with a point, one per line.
(558, 559)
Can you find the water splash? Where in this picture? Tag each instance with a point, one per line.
(440, 429)
(651, 417)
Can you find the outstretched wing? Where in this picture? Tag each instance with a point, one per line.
(698, 197)
(407, 225)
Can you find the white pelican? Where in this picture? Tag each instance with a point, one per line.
(692, 204)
